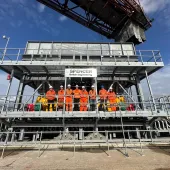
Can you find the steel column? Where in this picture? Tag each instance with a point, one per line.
(35, 92)
(5, 50)
(150, 90)
(20, 93)
(139, 92)
(8, 89)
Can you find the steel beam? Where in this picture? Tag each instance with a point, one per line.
(35, 92)
(139, 92)
(150, 90)
(37, 78)
(85, 64)
(18, 69)
(45, 69)
(26, 69)
(114, 71)
(126, 93)
(20, 93)
(105, 26)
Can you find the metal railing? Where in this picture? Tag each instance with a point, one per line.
(59, 107)
(82, 138)
(21, 54)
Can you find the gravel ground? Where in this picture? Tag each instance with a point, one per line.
(55, 158)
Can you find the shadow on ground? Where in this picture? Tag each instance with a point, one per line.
(161, 149)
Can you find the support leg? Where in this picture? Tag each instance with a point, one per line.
(140, 95)
(150, 90)
(8, 89)
(20, 93)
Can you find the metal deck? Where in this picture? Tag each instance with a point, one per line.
(88, 114)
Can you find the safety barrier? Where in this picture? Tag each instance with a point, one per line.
(82, 138)
(13, 103)
(17, 55)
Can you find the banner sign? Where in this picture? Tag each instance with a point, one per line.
(90, 72)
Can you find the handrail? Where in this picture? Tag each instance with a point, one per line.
(129, 104)
(22, 54)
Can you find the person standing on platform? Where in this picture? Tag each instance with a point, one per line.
(112, 99)
(60, 98)
(76, 93)
(83, 99)
(51, 97)
(69, 98)
(103, 98)
(92, 95)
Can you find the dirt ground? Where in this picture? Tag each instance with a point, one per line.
(52, 157)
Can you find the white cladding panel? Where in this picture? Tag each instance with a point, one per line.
(45, 48)
(80, 49)
(32, 48)
(127, 49)
(116, 49)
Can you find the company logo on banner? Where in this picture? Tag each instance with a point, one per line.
(81, 72)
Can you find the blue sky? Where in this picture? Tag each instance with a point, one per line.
(24, 20)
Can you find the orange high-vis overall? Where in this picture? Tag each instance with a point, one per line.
(103, 94)
(60, 98)
(112, 100)
(69, 100)
(50, 95)
(92, 94)
(83, 100)
(77, 93)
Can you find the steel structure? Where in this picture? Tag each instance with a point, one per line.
(118, 65)
(122, 20)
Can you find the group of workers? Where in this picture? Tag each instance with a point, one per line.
(80, 97)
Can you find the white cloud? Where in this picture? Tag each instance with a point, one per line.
(160, 10)
(151, 6)
(41, 7)
(160, 82)
(62, 18)
(32, 14)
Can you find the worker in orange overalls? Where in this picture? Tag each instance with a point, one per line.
(103, 98)
(92, 95)
(69, 101)
(76, 93)
(83, 99)
(51, 97)
(60, 98)
(112, 99)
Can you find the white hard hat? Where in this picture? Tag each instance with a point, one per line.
(83, 87)
(77, 85)
(61, 86)
(69, 85)
(50, 87)
(92, 86)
